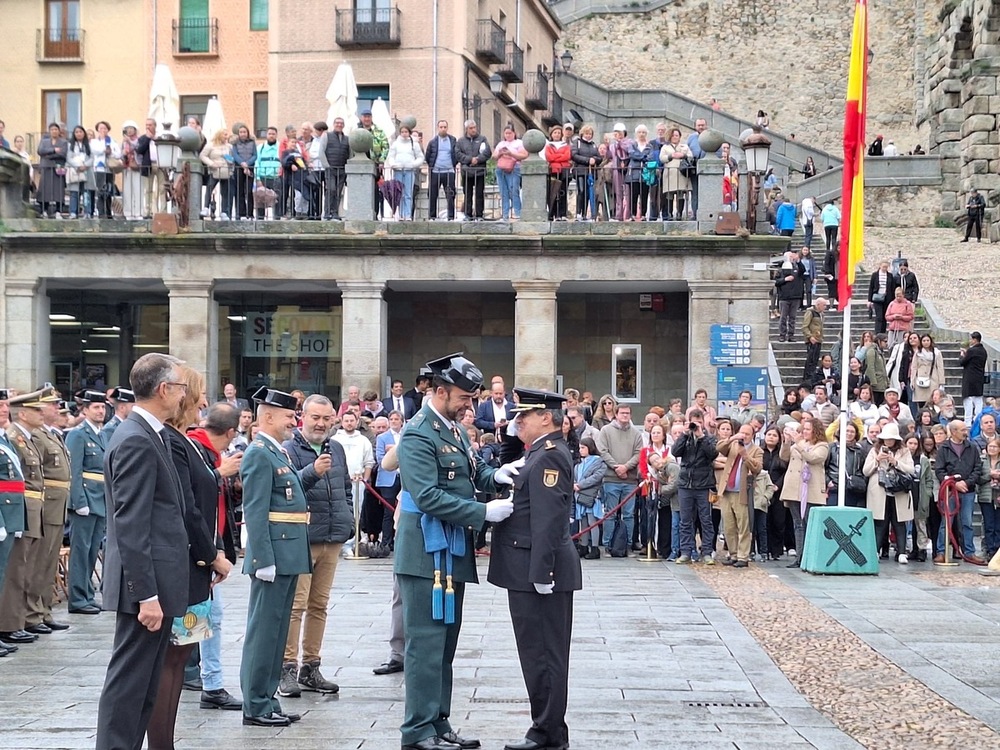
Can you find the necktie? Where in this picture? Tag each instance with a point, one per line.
(399, 405)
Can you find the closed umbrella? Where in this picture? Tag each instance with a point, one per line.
(214, 119)
(342, 94)
(164, 102)
(382, 118)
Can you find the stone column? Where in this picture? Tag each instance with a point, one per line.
(534, 189)
(195, 180)
(13, 185)
(194, 328)
(712, 302)
(711, 172)
(360, 189)
(26, 333)
(535, 319)
(364, 340)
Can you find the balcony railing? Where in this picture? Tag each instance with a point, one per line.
(554, 115)
(512, 67)
(196, 36)
(368, 27)
(59, 45)
(536, 90)
(490, 41)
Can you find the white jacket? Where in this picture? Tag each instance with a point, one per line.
(405, 153)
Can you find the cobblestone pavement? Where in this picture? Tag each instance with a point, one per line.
(664, 658)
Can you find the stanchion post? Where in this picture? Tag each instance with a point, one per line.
(359, 493)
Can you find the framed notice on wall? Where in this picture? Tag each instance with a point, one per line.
(626, 373)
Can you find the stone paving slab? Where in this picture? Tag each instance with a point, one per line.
(650, 663)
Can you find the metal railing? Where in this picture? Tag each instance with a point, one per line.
(491, 41)
(59, 45)
(196, 36)
(536, 90)
(512, 67)
(368, 27)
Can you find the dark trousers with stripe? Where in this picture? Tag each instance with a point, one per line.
(85, 537)
(264, 643)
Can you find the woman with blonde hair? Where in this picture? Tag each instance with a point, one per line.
(606, 408)
(805, 449)
(889, 456)
(214, 156)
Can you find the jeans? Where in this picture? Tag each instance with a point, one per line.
(807, 227)
(405, 176)
(695, 503)
(972, 406)
(614, 493)
(991, 529)
(77, 206)
(510, 193)
(966, 501)
(675, 532)
(211, 649)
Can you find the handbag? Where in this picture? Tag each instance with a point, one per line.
(893, 480)
(114, 165)
(986, 378)
(506, 162)
(878, 298)
(689, 167)
(195, 625)
(923, 382)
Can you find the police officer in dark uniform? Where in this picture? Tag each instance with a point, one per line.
(276, 519)
(534, 559)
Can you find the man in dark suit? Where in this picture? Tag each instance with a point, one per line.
(421, 385)
(493, 415)
(146, 561)
(398, 401)
(534, 559)
(229, 391)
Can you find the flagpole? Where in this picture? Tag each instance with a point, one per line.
(845, 349)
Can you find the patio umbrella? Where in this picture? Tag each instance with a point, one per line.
(214, 119)
(382, 118)
(164, 102)
(342, 94)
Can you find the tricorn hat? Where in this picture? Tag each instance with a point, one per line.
(123, 395)
(272, 397)
(88, 396)
(457, 370)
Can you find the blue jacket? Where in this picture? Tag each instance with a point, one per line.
(785, 217)
(484, 415)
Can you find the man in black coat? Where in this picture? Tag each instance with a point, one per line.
(959, 459)
(973, 362)
(696, 451)
(881, 291)
(473, 153)
(338, 151)
(790, 286)
(147, 559)
(535, 560)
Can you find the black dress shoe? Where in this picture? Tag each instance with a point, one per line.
(431, 743)
(292, 718)
(467, 743)
(10, 648)
(390, 667)
(89, 609)
(18, 636)
(3, 652)
(39, 629)
(193, 685)
(220, 699)
(53, 625)
(268, 720)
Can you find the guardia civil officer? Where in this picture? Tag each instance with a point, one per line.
(122, 399)
(276, 520)
(435, 554)
(12, 512)
(533, 558)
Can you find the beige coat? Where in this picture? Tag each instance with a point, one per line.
(876, 493)
(729, 449)
(926, 368)
(797, 456)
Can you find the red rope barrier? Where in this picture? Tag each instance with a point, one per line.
(607, 515)
(948, 492)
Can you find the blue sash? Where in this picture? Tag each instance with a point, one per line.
(440, 538)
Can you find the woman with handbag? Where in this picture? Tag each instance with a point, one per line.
(201, 491)
(926, 371)
(989, 496)
(678, 164)
(509, 153)
(107, 163)
(52, 152)
(890, 471)
(588, 480)
(213, 156)
(640, 155)
(805, 449)
(650, 492)
(80, 174)
(857, 482)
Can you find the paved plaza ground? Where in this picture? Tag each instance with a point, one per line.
(664, 657)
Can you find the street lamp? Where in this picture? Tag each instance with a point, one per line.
(168, 150)
(757, 148)
(566, 58)
(496, 84)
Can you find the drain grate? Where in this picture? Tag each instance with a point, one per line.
(499, 700)
(725, 704)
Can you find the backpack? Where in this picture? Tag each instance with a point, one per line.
(649, 172)
(619, 542)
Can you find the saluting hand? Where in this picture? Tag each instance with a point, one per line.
(322, 464)
(151, 615)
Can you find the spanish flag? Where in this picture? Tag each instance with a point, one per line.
(852, 223)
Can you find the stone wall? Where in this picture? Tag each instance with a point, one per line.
(789, 59)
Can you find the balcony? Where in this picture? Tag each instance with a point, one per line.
(196, 36)
(555, 115)
(59, 45)
(536, 91)
(368, 27)
(490, 42)
(512, 67)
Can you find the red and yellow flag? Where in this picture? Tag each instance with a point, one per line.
(852, 225)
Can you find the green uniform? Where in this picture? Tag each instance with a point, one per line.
(45, 562)
(274, 513)
(441, 475)
(86, 455)
(12, 516)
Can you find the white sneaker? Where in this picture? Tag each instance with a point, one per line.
(223, 217)
(204, 213)
(902, 559)
(791, 553)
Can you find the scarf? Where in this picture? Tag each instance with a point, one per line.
(200, 436)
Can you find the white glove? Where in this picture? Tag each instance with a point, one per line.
(84, 511)
(3, 533)
(18, 534)
(506, 473)
(266, 574)
(545, 588)
(498, 510)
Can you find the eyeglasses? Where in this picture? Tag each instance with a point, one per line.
(177, 383)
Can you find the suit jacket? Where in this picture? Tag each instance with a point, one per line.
(86, 455)
(56, 471)
(146, 553)
(12, 516)
(409, 407)
(271, 485)
(441, 473)
(385, 478)
(31, 468)
(241, 403)
(533, 545)
(485, 415)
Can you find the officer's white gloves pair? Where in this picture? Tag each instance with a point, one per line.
(84, 511)
(499, 510)
(506, 473)
(266, 574)
(545, 588)
(3, 533)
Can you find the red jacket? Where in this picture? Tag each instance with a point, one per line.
(558, 157)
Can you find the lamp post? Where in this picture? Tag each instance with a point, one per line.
(757, 148)
(566, 60)
(496, 84)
